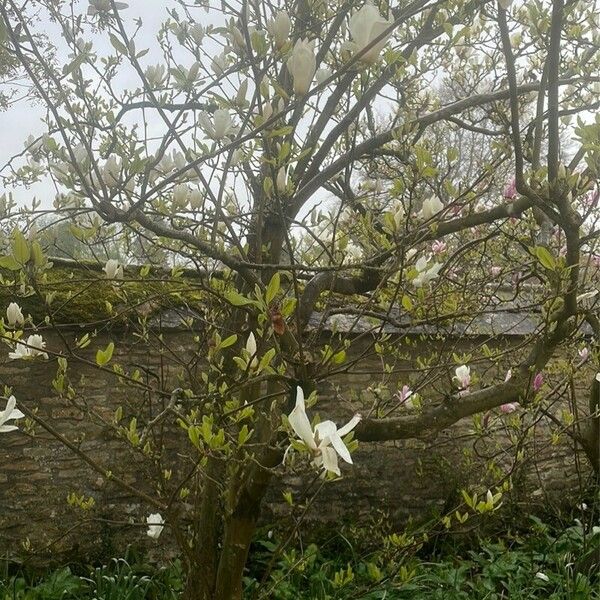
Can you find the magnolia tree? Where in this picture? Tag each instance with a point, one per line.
(403, 164)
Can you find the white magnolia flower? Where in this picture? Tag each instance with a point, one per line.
(251, 350)
(302, 65)
(219, 64)
(103, 6)
(219, 126)
(365, 26)
(325, 441)
(196, 199)
(322, 75)
(8, 414)
(399, 215)
(155, 525)
(113, 269)
(111, 171)
(425, 273)
(156, 75)
(236, 157)
(33, 144)
(279, 27)
(197, 32)
(14, 314)
(80, 153)
(462, 376)
(33, 347)
(267, 111)
(431, 207)
(180, 195)
(236, 37)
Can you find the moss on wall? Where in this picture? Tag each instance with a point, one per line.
(80, 296)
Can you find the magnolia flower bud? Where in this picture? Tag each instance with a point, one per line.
(14, 314)
(251, 350)
(302, 65)
(240, 97)
(237, 38)
(281, 180)
(280, 28)
(113, 269)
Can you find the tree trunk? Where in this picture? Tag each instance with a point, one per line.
(195, 585)
(236, 544)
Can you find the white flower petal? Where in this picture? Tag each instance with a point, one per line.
(330, 461)
(340, 448)
(351, 424)
(299, 421)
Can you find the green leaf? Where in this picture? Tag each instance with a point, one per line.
(229, 341)
(8, 262)
(546, 259)
(289, 306)
(74, 64)
(235, 298)
(265, 361)
(117, 45)
(20, 247)
(339, 357)
(273, 287)
(243, 435)
(103, 356)
(407, 303)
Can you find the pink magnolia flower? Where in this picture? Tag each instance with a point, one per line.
(509, 407)
(538, 381)
(463, 377)
(495, 271)
(596, 260)
(404, 396)
(510, 189)
(583, 353)
(438, 247)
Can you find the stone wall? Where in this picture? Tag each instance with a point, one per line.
(404, 479)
